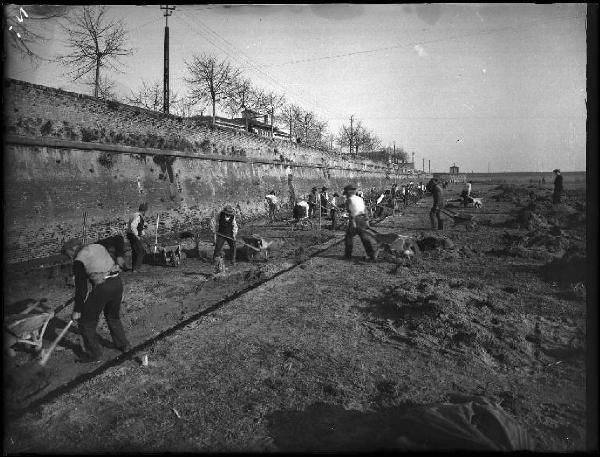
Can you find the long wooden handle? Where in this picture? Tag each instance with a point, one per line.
(238, 241)
(47, 354)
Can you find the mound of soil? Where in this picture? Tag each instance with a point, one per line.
(569, 269)
(438, 242)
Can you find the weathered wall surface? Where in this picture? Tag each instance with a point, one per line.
(66, 154)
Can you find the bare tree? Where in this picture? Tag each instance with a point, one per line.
(105, 88)
(210, 80)
(148, 95)
(269, 102)
(184, 106)
(95, 42)
(291, 113)
(240, 95)
(23, 27)
(348, 135)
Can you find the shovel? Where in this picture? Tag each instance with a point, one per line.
(46, 354)
(238, 241)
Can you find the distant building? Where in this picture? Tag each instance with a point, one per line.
(454, 170)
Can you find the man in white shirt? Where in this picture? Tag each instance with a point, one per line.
(300, 210)
(273, 204)
(466, 194)
(136, 229)
(94, 264)
(358, 225)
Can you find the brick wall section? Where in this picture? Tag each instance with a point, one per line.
(48, 188)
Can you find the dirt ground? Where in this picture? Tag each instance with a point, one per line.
(317, 357)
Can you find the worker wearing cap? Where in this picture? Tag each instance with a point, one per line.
(93, 263)
(558, 186)
(358, 224)
(136, 229)
(272, 203)
(226, 232)
(434, 187)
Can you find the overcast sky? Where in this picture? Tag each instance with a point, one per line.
(498, 85)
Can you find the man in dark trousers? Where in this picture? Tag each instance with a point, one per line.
(94, 264)
(136, 229)
(358, 225)
(313, 199)
(438, 203)
(324, 199)
(558, 186)
(227, 226)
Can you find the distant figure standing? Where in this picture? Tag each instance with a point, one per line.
(136, 228)
(336, 205)
(466, 194)
(324, 201)
(435, 213)
(313, 198)
(358, 225)
(558, 186)
(273, 204)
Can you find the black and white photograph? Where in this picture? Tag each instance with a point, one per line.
(299, 228)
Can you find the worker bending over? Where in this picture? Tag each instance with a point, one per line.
(300, 210)
(358, 225)
(273, 204)
(226, 232)
(94, 263)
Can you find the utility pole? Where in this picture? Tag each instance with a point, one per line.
(351, 133)
(423, 164)
(168, 11)
(430, 166)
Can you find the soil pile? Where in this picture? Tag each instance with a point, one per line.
(571, 268)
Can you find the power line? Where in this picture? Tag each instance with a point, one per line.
(251, 65)
(385, 48)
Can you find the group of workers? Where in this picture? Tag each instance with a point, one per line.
(102, 262)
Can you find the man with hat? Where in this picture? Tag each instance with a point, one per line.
(312, 202)
(558, 186)
(358, 224)
(324, 201)
(226, 232)
(136, 229)
(93, 263)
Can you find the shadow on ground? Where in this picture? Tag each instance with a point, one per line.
(475, 425)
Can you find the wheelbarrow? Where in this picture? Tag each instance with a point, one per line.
(461, 218)
(26, 327)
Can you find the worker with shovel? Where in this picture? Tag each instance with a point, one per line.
(435, 188)
(94, 263)
(136, 229)
(226, 232)
(358, 225)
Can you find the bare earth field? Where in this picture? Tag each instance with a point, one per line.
(308, 352)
